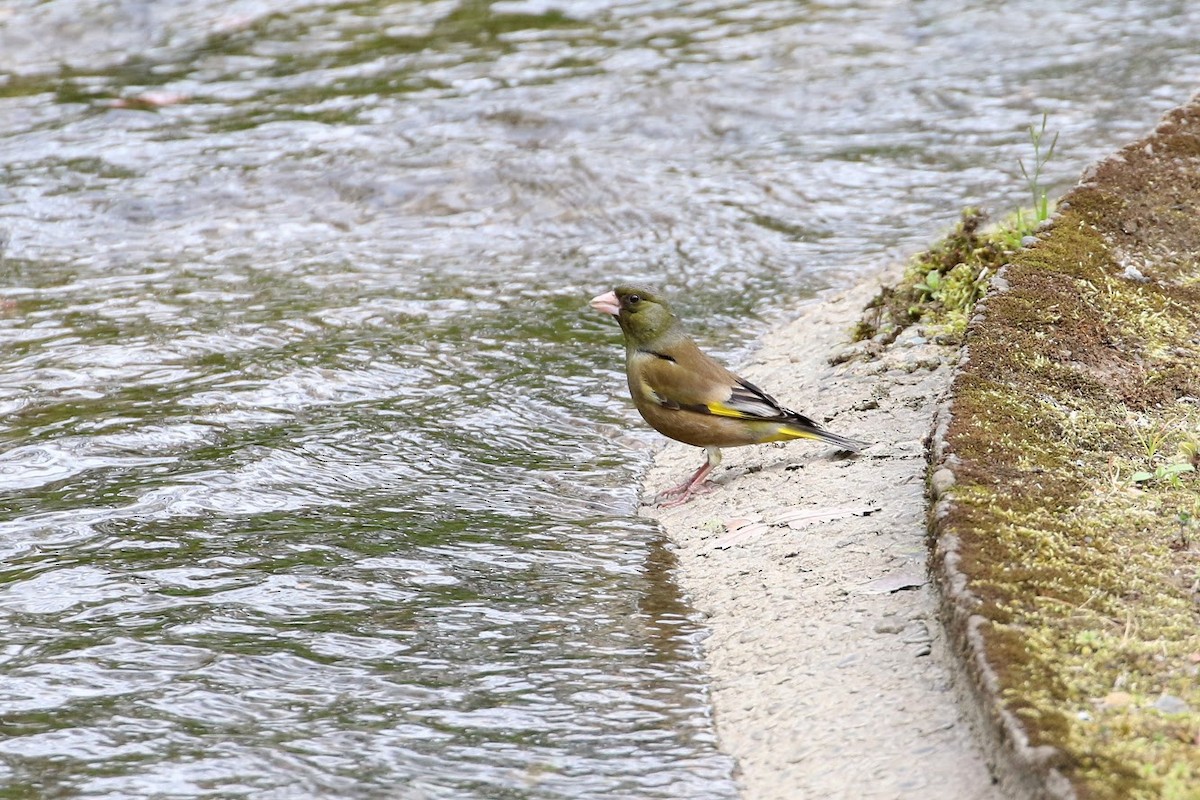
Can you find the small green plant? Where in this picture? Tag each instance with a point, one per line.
(929, 287)
(945, 281)
(941, 285)
(1163, 473)
(1089, 641)
(1033, 178)
(1189, 450)
(1150, 438)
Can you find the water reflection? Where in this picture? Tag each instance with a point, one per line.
(316, 471)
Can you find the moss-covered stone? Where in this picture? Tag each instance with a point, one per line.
(941, 285)
(1070, 543)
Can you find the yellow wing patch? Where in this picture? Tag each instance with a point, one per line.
(722, 410)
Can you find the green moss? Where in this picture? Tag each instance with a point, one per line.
(942, 284)
(1080, 377)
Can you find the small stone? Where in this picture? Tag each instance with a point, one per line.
(1170, 704)
(1117, 699)
(1028, 241)
(890, 625)
(911, 337)
(1134, 274)
(941, 481)
(843, 353)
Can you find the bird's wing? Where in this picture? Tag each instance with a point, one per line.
(747, 401)
(683, 377)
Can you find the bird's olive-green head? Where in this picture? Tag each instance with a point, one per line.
(643, 314)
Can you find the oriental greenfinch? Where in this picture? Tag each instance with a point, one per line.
(686, 395)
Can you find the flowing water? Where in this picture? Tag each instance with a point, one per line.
(318, 476)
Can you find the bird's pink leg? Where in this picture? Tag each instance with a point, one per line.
(678, 495)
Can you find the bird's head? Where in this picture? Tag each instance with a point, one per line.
(642, 313)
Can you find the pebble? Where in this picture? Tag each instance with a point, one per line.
(1134, 274)
(941, 481)
(910, 337)
(911, 361)
(1170, 704)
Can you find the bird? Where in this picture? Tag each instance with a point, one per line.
(686, 395)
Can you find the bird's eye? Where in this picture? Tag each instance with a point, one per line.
(634, 299)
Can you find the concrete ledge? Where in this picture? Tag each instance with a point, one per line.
(1068, 579)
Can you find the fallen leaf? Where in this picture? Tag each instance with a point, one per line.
(907, 578)
(796, 518)
(732, 525)
(741, 535)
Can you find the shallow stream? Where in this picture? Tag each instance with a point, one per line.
(318, 477)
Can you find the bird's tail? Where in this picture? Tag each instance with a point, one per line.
(804, 428)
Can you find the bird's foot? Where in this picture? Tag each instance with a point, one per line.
(696, 484)
(678, 495)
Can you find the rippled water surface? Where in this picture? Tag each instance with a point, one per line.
(318, 478)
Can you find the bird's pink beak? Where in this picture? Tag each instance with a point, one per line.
(608, 303)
